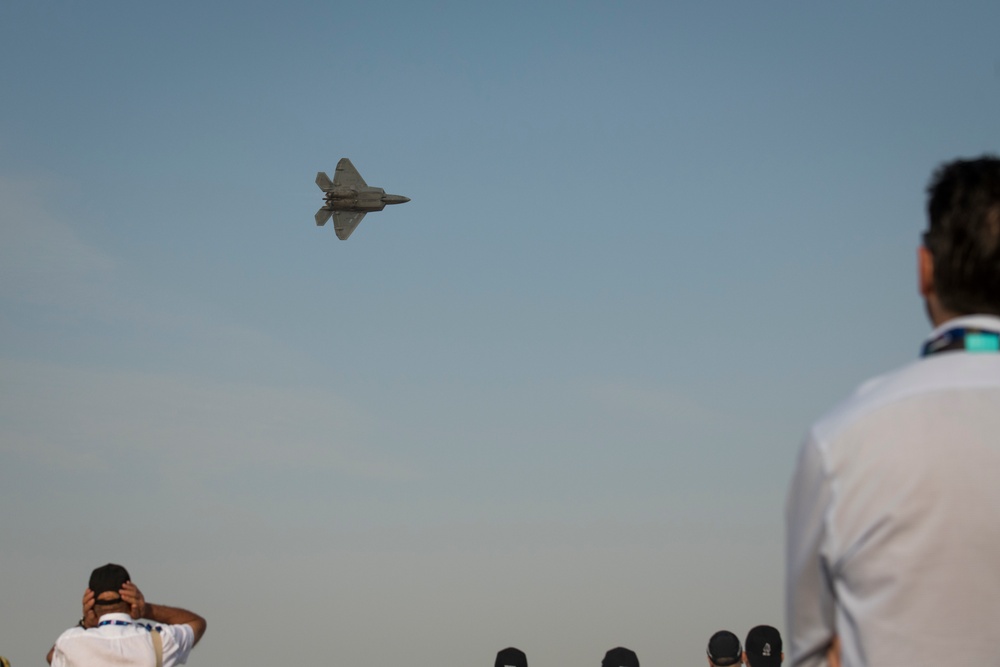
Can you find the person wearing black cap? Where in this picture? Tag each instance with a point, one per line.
(511, 657)
(893, 516)
(109, 634)
(763, 647)
(724, 649)
(620, 657)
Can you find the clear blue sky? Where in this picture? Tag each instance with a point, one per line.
(552, 402)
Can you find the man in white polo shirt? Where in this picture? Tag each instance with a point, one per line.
(109, 634)
(893, 517)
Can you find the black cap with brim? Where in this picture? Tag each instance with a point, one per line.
(724, 649)
(763, 647)
(620, 657)
(108, 578)
(511, 657)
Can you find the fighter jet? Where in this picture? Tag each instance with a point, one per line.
(348, 198)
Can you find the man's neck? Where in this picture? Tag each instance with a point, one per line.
(938, 314)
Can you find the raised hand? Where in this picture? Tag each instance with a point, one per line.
(89, 614)
(133, 596)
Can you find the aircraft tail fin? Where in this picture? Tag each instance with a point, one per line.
(323, 181)
(322, 216)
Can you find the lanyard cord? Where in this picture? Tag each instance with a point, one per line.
(138, 625)
(962, 338)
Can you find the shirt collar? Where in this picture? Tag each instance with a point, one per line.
(987, 322)
(115, 616)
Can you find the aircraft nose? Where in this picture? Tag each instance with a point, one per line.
(395, 199)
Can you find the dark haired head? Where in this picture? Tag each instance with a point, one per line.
(963, 237)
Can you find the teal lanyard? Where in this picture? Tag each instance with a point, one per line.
(962, 338)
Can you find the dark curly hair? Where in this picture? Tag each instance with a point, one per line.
(963, 237)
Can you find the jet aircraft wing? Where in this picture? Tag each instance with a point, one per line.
(323, 215)
(344, 222)
(347, 176)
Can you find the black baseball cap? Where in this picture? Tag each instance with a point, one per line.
(108, 578)
(511, 657)
(724, 649)
(620, 657)
(763, 647)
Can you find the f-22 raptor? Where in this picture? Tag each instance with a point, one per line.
(348, 198)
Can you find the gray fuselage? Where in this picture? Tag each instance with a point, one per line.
(363, 199)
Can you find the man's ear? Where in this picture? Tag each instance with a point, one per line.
(925, 272)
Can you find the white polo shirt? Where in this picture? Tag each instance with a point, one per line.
(893, 518)
(121, 641)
